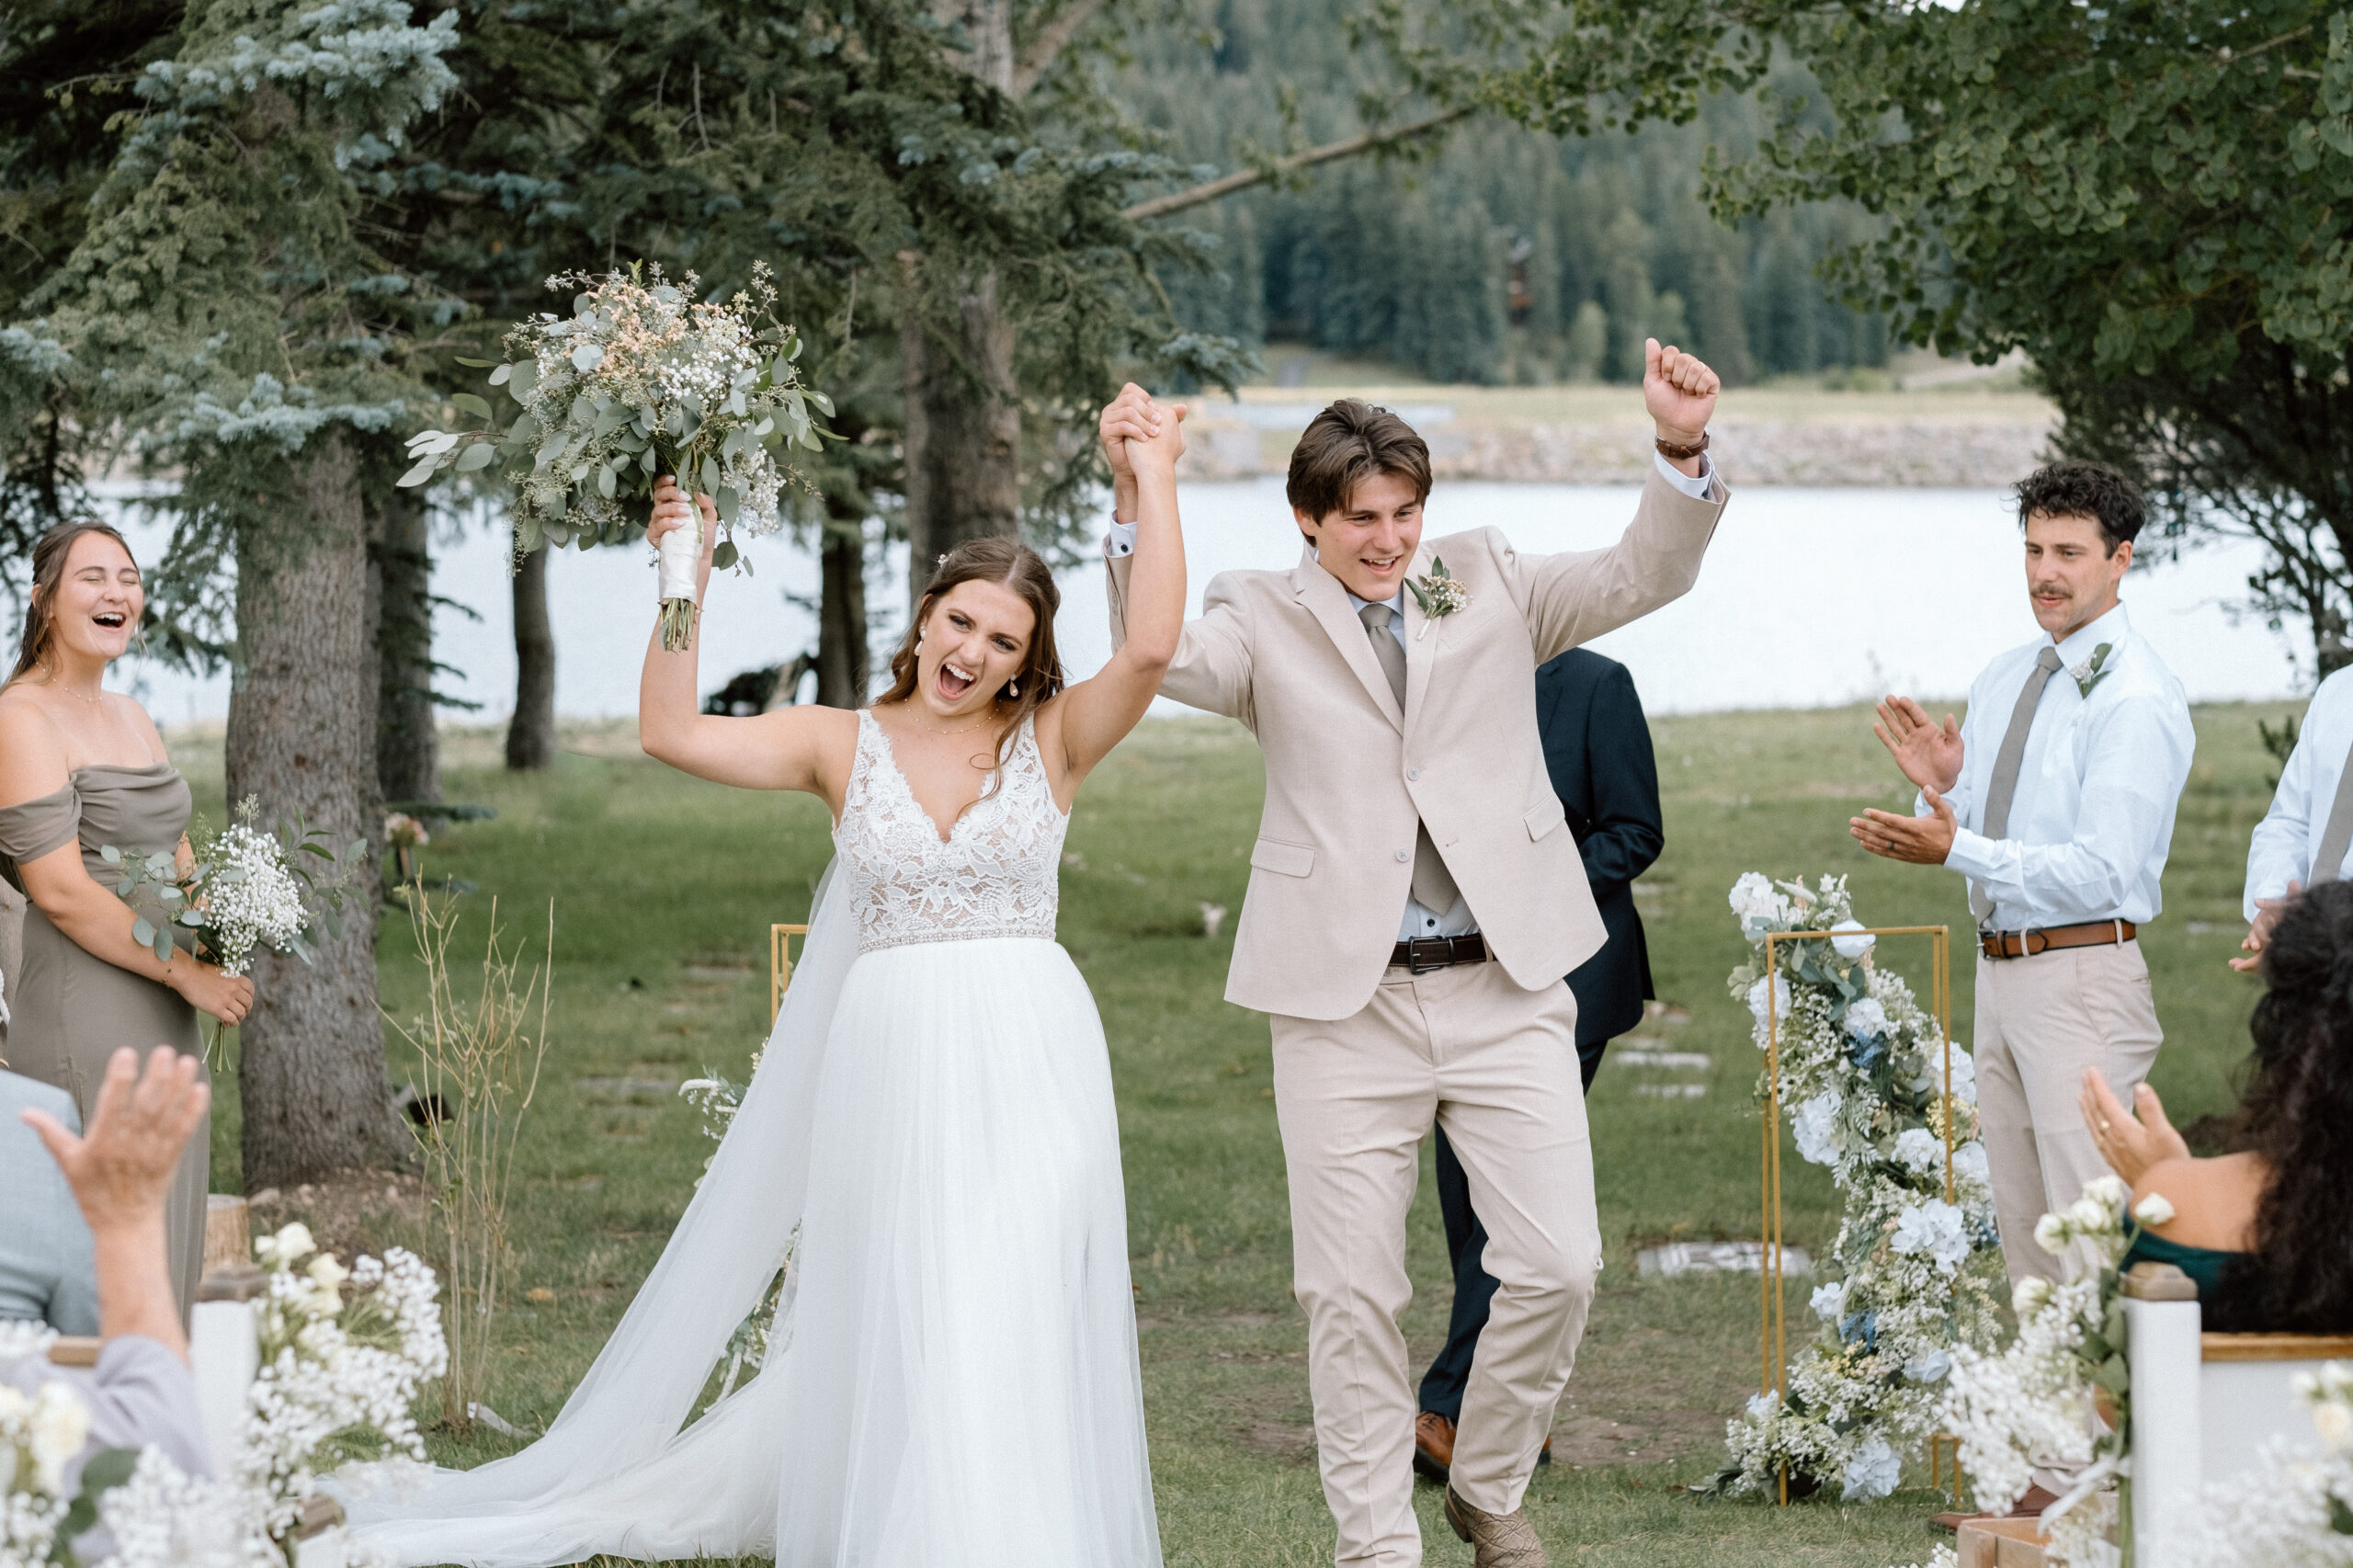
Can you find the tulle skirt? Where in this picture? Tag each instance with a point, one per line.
(955, 1385)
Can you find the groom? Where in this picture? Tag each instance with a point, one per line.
(1414, 898)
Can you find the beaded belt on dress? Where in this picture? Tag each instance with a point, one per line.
(959, 934)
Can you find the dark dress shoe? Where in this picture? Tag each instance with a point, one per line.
(1433, 1446)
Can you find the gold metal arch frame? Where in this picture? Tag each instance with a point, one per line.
(781, 964)
(1773, 1337)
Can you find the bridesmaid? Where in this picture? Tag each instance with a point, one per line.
(80, 767)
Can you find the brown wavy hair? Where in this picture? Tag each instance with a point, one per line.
(2298, 1276)
(50, 553)
(1017, 566)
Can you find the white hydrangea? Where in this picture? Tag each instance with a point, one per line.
(1829, 1301)
(1929, 1365)
(1782, 997)
(1866, 1019)
(1968, 1166)
(1932, 1230)
(1920, 1151)
(1759, 906)
(1815, 1129)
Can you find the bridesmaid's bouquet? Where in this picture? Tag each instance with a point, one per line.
(246, 889)
(642, 379)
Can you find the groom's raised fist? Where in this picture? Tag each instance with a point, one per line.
(1680, 392)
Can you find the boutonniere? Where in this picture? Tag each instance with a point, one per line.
(1439, 594)
(2092, 671)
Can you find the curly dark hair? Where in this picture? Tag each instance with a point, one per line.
(2078, 489)
(2299, 1113)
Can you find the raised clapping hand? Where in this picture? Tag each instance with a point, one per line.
(1928, 753)
(1924, 841)
(2266, 916)
(1680, 392)
(121, 1164)
(2129, 1145)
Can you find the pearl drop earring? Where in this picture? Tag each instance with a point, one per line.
(1013, 688)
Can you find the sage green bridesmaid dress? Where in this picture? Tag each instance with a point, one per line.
(70, 1009)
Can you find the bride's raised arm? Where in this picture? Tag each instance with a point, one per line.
(1096, 714)
(788, 748)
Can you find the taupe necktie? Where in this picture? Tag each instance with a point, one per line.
(2338, 836)
(2004, 785)
(1434, 887)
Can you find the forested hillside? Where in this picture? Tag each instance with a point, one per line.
(1509, 258)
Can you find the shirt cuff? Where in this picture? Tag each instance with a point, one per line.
(1972, 853)
(1121, 539)
(1696, 488)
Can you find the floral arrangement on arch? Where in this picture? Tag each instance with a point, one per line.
(1861, 1070)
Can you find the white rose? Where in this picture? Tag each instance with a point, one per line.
(2111, 1193)
(2030, 1295)
(60, 1426)
(2334, 1421)
(294, 1244)
(327, 1271)
(2087, 1213)
(2154, 1209)
(2051, 1232)
(1851, 947)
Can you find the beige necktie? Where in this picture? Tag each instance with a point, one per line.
(2004, 785)
(2338, 836)
(1434, 887)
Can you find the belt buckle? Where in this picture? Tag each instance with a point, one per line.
(1413, 964)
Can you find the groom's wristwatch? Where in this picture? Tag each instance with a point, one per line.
(1674, 453)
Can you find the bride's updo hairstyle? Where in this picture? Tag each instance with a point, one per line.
(1017, 566)
(2299, 1115)
(50, 553)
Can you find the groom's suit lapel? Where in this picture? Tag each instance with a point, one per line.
(1320, 593)
(1421, 651)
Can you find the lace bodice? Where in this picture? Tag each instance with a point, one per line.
(997, 873)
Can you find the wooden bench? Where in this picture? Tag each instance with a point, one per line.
(2204, 1405)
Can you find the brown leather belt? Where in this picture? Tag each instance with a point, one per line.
(2025, 944)
(1425, 953)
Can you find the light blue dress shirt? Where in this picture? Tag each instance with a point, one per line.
(2097, 786)
(46, 1272)
(2288, 838)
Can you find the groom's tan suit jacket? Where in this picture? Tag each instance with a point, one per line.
(1347, 773)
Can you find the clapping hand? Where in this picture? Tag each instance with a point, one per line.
(1928, 753)
(1680, 392)
(121, 1164)
(2130, 1145)
(1924, 841)
(2266, 916)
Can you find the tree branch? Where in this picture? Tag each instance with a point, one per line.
(1227, 184)
(1048, 46)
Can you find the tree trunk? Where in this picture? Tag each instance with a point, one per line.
(302, 739)
(530, 734)
(408, 761)
(842, 667)
(962, 426)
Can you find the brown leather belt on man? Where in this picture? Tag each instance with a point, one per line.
(2025, 944)
(1424, 954)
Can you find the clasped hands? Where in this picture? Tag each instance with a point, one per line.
(1138, 438)
(1929, 754)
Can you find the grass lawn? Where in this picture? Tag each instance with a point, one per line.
(663, 888)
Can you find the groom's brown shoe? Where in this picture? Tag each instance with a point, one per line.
(1497, 1540)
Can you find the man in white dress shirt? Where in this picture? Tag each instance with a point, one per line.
(2307, 835)
(2056, 800)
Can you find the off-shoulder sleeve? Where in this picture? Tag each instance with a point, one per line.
(34, 828)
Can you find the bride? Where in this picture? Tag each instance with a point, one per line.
(928, 1148)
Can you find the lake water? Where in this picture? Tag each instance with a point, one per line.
(1809, 597)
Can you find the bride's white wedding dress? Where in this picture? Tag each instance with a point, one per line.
(930, 1137)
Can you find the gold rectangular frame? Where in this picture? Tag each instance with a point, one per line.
(1773, 1334)
(781, 964)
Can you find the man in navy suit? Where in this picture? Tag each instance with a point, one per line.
(1597, 750)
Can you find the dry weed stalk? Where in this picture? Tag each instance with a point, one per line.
(480, 1059)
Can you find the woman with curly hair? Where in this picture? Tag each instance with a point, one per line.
(2263, 1230)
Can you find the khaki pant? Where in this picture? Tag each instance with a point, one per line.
(2040, 1021)
(1496, 1067)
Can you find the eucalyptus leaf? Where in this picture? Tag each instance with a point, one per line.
(728, 503)
(467, 402)
(143, 931)
(482, 454)
(163, 947)
(109, 853)
(605, 485)
(498, 377)
(419, 474)
(725, 555)
(477, 364)
(526, 377)
(586, 357)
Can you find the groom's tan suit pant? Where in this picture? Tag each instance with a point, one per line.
(1497, 1066)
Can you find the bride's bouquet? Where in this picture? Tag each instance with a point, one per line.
(642, 380)
(246, 889)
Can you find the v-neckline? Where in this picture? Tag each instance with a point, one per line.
(891, 756)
